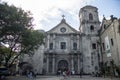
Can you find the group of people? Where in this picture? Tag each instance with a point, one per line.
(65, 72)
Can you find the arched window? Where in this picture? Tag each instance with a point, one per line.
(90, 16)
(91, 27)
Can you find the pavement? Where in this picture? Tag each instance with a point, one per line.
(59, 78)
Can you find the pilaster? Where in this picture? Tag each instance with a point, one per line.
(53, 64)
(47, 63)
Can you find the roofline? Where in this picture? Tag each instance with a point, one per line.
(61, 23)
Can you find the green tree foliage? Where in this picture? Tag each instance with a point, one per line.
(4, 52)
(31, 41)
(16, 31)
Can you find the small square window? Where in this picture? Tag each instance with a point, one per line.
(92, 28)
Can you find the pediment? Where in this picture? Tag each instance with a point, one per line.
(63, 28)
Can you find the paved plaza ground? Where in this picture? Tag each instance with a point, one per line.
(59, 78)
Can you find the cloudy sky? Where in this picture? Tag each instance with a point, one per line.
(48, 13)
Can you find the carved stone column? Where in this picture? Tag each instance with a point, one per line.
(53, 64)
(71, 42)
(54, 44)
(48, 37)
(47, 56)
(78, 43)
(72, 61)
(78, 63)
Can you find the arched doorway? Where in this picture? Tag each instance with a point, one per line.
(62, 65)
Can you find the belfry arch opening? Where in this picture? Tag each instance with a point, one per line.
(90, 16)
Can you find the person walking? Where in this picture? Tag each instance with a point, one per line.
(35, 73)
(81, 71)
(27, 73)
(72, 72)
(64, 74)
(31, 75)
(68, 73)
(80, 74)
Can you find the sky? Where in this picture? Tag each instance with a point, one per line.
(48, 13)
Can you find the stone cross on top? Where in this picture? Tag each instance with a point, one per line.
(63, 20)
(63, 16)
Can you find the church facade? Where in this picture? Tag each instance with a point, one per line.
(73, 49)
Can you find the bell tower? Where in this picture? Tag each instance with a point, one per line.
(89, 21)
(89, 26)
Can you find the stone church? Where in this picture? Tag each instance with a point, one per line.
(73, 49)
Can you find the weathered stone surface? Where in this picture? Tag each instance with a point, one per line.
(68, 48)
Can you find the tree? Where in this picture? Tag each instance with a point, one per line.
(31, 40)
(4, 52)
(16, 30)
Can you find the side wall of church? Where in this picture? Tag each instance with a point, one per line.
(36, 60)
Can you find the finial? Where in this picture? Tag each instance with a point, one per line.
(111, 16)
(104, 17)
(63, 16)
(63, 20)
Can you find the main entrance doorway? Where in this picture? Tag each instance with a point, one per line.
(62, 65)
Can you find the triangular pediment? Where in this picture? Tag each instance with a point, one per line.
(63, 28)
